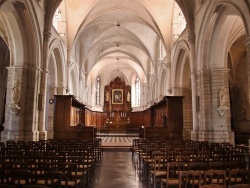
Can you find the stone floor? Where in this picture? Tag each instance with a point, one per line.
(117, 170)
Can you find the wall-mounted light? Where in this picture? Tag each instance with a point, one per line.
(62, 34)
(51, 101)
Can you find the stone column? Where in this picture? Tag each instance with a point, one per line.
(15, 104)
(169, 87)
(69, 64)
(247, 44)
(215, 106)
(81, 84)
(52, 90)
(187, 113)
(169, 73)
(191, 40)
(43, 88)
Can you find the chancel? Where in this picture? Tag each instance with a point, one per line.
(138, 84)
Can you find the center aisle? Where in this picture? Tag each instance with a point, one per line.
(117, 170)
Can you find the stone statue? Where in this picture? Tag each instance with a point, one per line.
(14, 105)
(128, 96)
(16, 92)
(223, 97)
(107, 96)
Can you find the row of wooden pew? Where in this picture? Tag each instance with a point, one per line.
(191, 163)
(50, 163)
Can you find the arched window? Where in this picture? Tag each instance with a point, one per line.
(97, 91)
(137, 91)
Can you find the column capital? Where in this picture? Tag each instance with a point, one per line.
(47, 34)
(191, 38)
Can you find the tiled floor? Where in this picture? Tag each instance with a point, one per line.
(117, 170)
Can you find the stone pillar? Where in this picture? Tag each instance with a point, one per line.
(14, 125)
(215, 106)
(191, 40)
(187, 113)
(247, 44)
(169, 87)
(52, 90)
(69, 64)
(43, 88)
(2, 98)
(81, 90)
(169, 73)
(61, 90)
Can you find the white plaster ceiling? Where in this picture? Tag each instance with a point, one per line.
(117, 37)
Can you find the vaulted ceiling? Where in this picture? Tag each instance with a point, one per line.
(117, 37)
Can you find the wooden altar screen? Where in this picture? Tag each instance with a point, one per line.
(117, 105)
(68, 114)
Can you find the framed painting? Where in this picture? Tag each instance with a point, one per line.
(117, 96)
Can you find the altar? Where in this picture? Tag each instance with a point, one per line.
(117, 126)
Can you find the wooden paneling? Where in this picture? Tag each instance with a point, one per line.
(67, 108)
(96, 119)
(139, 119)
(68, 113)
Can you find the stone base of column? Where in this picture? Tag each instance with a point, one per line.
(50, 134)
(18, 135)
(218, 136)
(186, 134)
(194, 135)
(42, 135)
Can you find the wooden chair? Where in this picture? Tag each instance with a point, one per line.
(173, 171)
(237, 165)
(34, 186)
(217, 165)
(56, 179)
(239, 176)
(71, 170)
(158, 170)
(212, 186)
(21, 177)
(82, 168)
(39, 172)
(190, 179)
(239, 186)
(7, 186)
(198, 166)
(4, 172)
(201, 158)
(215, 177)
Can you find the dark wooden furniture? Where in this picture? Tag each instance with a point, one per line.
(171, 107)
(68, 114)
(117, 126)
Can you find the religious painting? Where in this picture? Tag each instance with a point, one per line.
(117, 96)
